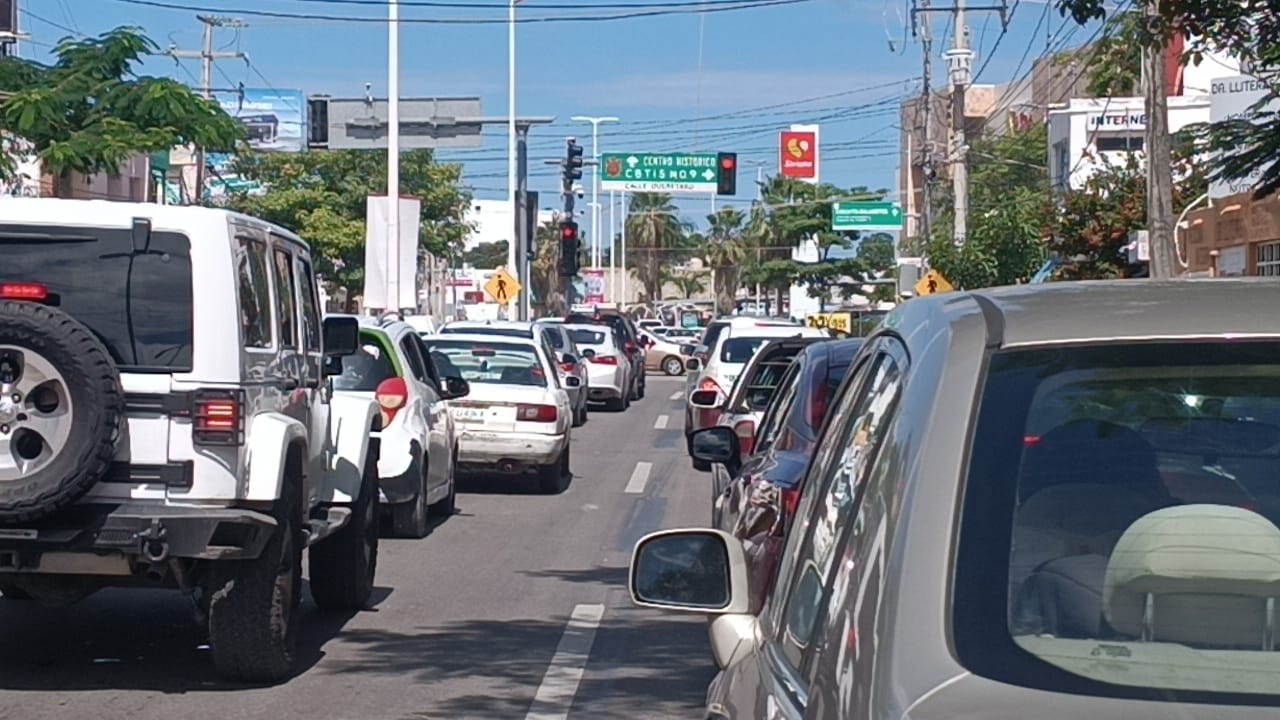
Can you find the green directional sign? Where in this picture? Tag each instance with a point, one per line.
(660, 172)
(869, 216)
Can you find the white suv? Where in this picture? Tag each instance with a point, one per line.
(163, 426)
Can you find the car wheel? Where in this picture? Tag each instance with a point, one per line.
(409, 519)
(551, 477)
(673, 366)
(343, 565)
(253, 604)
(643, 385)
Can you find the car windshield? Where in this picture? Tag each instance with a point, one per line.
(1139, 491)
(365, 369)
(759, 387)
(138, 302)
(740, 350)
(497, 363)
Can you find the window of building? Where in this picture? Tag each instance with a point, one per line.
(1118, 143)
(1269, 259)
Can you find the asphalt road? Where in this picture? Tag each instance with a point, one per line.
(516, 607)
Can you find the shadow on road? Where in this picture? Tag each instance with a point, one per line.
(499, 484)
(613, 576)
(637, 657)
(131, 640)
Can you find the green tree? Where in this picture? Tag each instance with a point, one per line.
(487, 255)
(548, 287)
(322, 197)
(90, 111)
(690, 284)
(655, 237)
(1114, 62)
(724, 253)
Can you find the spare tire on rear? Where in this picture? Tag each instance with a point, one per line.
(61, 409)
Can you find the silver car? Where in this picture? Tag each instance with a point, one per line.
(1053, 501)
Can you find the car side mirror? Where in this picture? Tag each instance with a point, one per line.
(341, 336)
(588, 353)
(692, 364)
(717, 444)
(569, 359)
(700, 571)
(706, 399)
(688, 349)
(572, 381)
(454, 388)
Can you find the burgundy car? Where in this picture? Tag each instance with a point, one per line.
(757, 504)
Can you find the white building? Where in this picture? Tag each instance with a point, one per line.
(494, 222)
(1087, 135)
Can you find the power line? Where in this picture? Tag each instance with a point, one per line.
(626, 15)
(49, 22)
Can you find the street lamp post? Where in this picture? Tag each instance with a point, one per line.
(596, 244)
(393, 155)
(512, 180)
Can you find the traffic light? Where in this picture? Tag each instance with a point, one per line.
(572, 164)
(568, 248)
(727, 184)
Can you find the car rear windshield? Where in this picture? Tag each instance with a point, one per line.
(1119, 534)
(489, 362)
(741, 349)
(484, 330)
(587, 337)
(138, 302)
(365, 369)
(759, 387)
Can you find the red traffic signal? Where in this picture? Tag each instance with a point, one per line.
(727, 180)
(728, 163)
(569, 231)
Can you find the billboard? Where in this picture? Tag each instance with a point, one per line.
(274, 119)
(798, 153)
(1234, 98)
(593, 286)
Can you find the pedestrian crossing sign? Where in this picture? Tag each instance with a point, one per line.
(933, 283)
(502, 288)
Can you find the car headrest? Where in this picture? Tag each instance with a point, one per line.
(1204, 575)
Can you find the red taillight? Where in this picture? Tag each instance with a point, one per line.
(790, 501)
(818, 407)
(536, 413)
(567, 367)
(1030, 440)
(746, 432)
(709, 384)
(605, 359)
(24, 291)
(630, 347)
(392, 394)
(218, 417)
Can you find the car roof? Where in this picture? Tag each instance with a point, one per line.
(772, 331)
(593, 327)
(1109, 310)
(66, 212)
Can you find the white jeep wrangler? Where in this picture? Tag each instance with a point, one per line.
(166, 421)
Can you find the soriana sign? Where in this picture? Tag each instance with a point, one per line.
(799, 154)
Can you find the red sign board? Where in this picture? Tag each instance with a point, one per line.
(799, 154)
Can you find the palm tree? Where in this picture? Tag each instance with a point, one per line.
(725, 252)
(690, 284)
(654, 230)
(546, 283)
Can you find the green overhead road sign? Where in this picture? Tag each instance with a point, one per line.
(660, 172)
(871, 216)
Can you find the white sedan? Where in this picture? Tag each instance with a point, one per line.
(517, 417)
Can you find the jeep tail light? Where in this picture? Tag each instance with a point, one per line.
(605, 359)
(536, 413)
(392, 394)
(630, 347)
(217, 417)
(746, 432)
(709, 384)
(567, 368)
(33, 292)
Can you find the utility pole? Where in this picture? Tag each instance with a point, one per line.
(208, 57)
(1158, 145)
(926, 119)
(960, 65)
(597, 243)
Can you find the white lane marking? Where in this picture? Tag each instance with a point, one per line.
(560, 683)
(661, 422)
(677, 395)
(639, 477)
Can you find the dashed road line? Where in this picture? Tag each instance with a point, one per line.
(639, 478)
(560, 683)
(661, 422)
(676, 395)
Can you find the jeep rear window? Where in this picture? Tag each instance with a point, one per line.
(138, 302)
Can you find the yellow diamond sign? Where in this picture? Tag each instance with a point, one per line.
(502, 288)
(933, 283)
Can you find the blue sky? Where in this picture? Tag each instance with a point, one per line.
(761, 70)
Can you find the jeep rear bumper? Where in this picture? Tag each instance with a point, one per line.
(147, 531)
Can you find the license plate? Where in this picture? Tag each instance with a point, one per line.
(469, 414)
